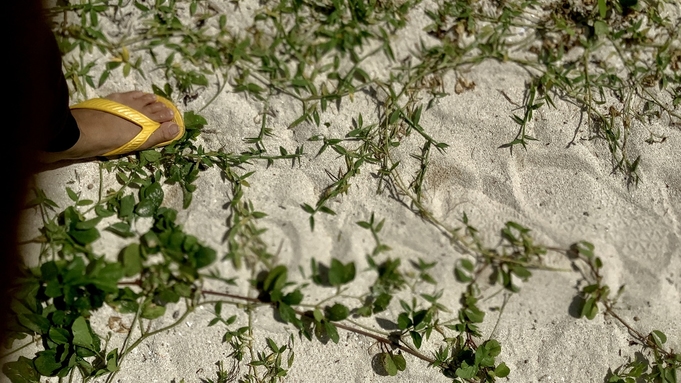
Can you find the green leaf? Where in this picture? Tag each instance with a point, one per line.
(602, 8)
(502, 370)
(21, 371)
(308, 209)
(659, 337)
(416, 338)
(275, 279)
(317, 314)
(326, 210)
(332, 331)
(337, 312)
(493, 347)
(272, 345)
(131, 260)
(293, 298)
(394, 116)
(46, 363)
(381, 303)
(152, 311)
(399, 361)
(59, 335)
(590, 309)
(121, 229)
(388, 363)
(102, 212)
(340, 274)
(81, 333)
(84, 237)
(127, 206)
(112, 360)
(151, 198)
(205, 256)
(466, 371)
(474, 315)
(403, 321)
(72, 195)
(287, 314)
(600, 27)
(149, 156)
(467, 265)
(461, 275)
(103, 78)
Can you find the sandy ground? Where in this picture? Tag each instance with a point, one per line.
(564, 193)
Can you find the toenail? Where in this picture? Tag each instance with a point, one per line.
(173, 129)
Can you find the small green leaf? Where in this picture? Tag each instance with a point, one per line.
(84, 237)
(502, 370)
(602, 8)
(461, 275)
(600, 27)
(59, 335)
(466, 371)
(381, 303)
(81, 333)
(152, 311)
(416, 338)
(293, 298)
(151, 198)
(102, 212)
(149, 156)
(46, 362)
(21, 371)
(493, 347)
(388, 363)
(127, 204)
(467, 265)
(331, 331)
(89, 224)
(131, 260)
(122, 229)
(403, 321)
(659, 337)
(340, 274)
(272, 345)
(394, 116)
(275, 279)
(288, 315)
(317, 314)
(326, 210)
(399, 361)
(72, 195)
(337, 312)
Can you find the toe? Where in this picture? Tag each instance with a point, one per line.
(166, 132)
(158, 112)
(134, 94)
(146, 99)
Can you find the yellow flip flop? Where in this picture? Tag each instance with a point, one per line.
(148, 125)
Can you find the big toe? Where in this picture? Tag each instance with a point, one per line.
(166, 132)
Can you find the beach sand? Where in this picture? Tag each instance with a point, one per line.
(561, 187)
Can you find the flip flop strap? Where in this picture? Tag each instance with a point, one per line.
(125, 112)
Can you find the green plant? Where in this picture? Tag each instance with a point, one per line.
(318, 54)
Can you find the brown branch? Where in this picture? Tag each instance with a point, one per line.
(339, 325)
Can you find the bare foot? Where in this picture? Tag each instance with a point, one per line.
(102, 132)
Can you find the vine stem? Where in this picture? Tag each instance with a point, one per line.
(367, 334)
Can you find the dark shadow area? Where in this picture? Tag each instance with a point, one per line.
(377, 365)
(387, 324)
(575, 308)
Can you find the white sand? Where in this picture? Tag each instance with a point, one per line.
(564, 194)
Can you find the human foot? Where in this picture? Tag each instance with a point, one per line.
(102, 132)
